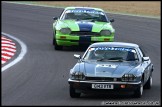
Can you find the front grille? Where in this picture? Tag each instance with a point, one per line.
(84, 33)
(102, 79)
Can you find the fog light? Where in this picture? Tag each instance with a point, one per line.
(122, 86)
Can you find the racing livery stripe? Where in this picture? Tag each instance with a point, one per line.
(85, 26)
(84, 40)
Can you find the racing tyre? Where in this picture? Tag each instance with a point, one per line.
(73, 94)
(54, 40)
(148, 84)
(139, 91)
(57, 47)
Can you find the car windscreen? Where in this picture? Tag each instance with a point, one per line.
(81, 14)
(111, 54)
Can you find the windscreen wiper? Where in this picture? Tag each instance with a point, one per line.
(116, 59)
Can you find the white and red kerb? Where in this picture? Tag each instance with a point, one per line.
(8, 49)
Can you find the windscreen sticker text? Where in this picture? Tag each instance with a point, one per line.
(115, 48)
(84, 11)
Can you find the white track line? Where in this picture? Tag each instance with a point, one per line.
(21, 55)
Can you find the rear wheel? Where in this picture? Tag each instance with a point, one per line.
(73, 93)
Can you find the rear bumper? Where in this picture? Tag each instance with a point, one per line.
(86, 86)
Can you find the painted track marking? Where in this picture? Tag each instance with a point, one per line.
(20, 56)
(6, 54)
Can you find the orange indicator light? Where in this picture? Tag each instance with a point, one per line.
(106, 39)
(63, 37)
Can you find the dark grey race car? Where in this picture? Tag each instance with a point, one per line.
(111, 66)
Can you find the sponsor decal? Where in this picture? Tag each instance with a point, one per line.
(107, 65)
(91, 11)
(113, 48)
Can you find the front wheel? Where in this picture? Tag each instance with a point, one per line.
(148, 84)
(73, 93)
(57, 47)
(139, 91)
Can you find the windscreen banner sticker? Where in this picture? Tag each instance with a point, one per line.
(115, 48)
(84, 11)
(91, 49)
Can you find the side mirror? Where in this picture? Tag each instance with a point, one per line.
(145, 58)
(112, 20)
(77, 56)
(55, 18)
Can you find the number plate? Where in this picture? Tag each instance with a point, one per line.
(102, 86)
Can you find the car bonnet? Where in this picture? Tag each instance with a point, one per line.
(108, 69)
(86, 25)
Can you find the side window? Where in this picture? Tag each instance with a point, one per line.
(142, 54)
(62, 14)
(107, 18)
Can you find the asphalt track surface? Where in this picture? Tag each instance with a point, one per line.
(40, 78)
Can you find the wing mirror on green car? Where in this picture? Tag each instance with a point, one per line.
(112, 20)
(55, 18)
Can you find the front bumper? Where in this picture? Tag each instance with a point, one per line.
(86, 86)
(68, 40)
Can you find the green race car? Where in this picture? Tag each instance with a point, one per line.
(81, 26)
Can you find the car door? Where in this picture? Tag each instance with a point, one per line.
(146, 64)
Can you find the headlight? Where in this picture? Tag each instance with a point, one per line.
(77, 76)
(105, 33)
(128, 77)
(65, 30)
